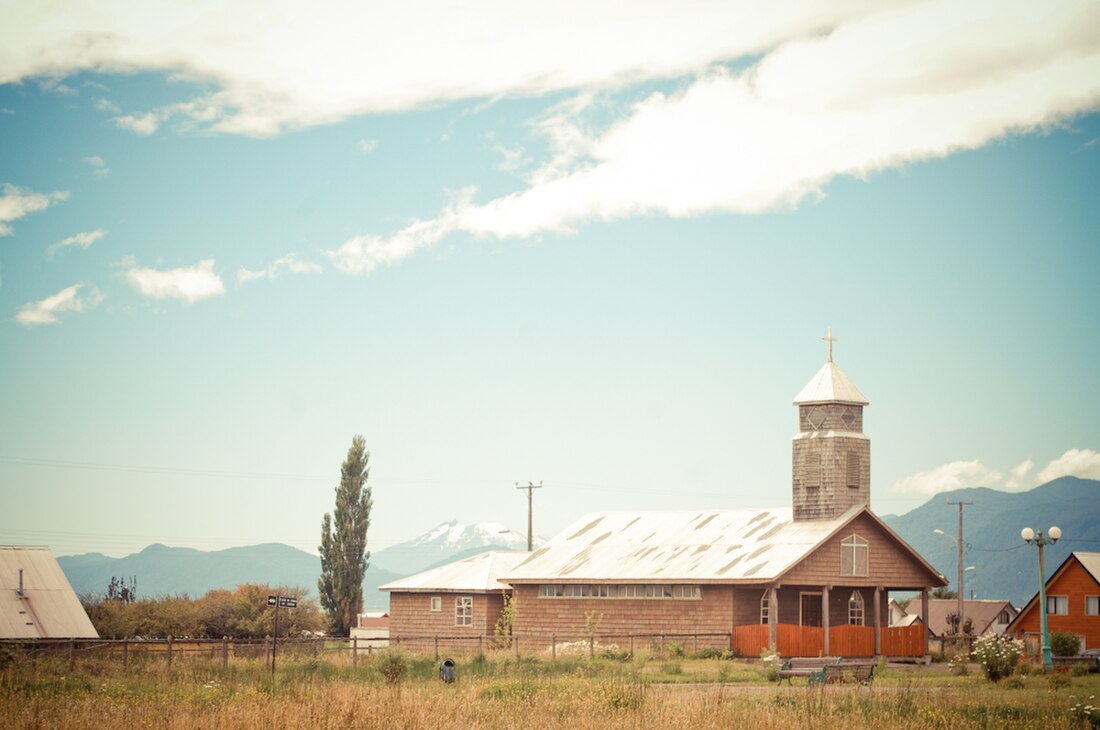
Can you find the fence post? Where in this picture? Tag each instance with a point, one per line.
(355, 652)
(225, 652)
(169, 652)
(591, 646)
(125, 654)
(72, 654)
(632, 646)
(695, 643)
(480, 650)
(315, 642)
(553, 647)
(436, 647)
(515, 641)
(267, 651)
(730, 637)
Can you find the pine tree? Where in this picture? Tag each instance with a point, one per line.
(343, 548)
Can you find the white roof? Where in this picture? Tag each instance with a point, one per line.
(48, 608)
(1091, 563)
(726, 546)
(830, 385)
(478, 573)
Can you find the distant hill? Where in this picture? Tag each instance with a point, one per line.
(447, 542)
(163, 570)
(1005, 566)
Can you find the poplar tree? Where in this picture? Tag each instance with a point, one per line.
(344, 556)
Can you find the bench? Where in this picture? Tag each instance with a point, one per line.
(848, 672)
(812, 668)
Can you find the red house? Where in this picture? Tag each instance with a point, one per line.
(1073, 604)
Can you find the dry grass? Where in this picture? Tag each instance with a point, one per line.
(506, 694)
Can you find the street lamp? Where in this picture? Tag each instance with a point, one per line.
(1036, 536)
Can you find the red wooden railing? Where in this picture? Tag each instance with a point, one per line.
(794, 640)
(848, 641)
(751, 640)
(902, 641)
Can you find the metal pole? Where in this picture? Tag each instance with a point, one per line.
(959, 630)
(274, 639)
(530, 492)
(1048, 663)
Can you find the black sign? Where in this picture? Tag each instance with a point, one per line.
(271, 600)
(286, 602)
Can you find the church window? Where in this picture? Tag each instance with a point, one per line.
(817, 418)
(464, 611)
(855, 609)
(849, 417)
(811, 475)
(853, 469)
(764, 608)
(853, 556)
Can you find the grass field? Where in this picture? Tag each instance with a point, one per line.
(500, 692)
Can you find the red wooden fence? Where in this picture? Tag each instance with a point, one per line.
(800, 640)
(902, 641)
(848, 640)
(751, 640)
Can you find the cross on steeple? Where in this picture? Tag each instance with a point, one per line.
(830, 339)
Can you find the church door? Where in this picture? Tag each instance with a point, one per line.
(810, 609)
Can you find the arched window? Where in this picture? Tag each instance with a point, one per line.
(853, 556)
(764, 607)
(855, 609)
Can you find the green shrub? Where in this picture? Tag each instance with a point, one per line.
(1080, 669)
(998, 655)
(1058, 680)
(392, 665)
(769, 664)
(1064, 643)
(1016, 681)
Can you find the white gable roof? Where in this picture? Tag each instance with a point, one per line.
(48, 607)
(478, 573)
(830, 385)
(700, 546)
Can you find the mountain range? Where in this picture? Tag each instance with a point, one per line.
(1003, 565)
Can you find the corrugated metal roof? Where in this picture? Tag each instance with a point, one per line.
(478, 573)
(699, 546)
(830, 385)
(48, 607)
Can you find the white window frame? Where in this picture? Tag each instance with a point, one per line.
(764, 607)
(606, 591)
(853, 545)
(856, 612)
(436, 605)
(1094, 608)
(1053, 603)
(464, 610)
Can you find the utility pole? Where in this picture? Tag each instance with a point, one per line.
(961, 504)
(530, 490)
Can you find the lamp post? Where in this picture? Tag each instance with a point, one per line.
(1036, 536)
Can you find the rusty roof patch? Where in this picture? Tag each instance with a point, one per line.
(760, 551)
(701, 549)
(760, 516)
(628, 524)
(754, 569)
(769, 533)
(601, 538)
(759, 527)
(586, 528)
(704, 522)
(730, 564)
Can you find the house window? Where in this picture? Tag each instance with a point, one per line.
(1003, 618)
(855, 609)
(600, 590)
(464, 611)
(1092, 605)
(764, 608)
(437, 604)
(853, 556)
(1057, 605)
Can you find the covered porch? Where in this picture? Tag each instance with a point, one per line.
(827, 620)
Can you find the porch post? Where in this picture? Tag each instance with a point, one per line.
(773, 617)
(878, 620)
(924, 616)
(825, 615)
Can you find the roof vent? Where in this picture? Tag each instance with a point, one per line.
(20, 592)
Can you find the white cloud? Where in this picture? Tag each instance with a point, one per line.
(98, 164)
(82, 240)
(956, 475)
(144, 124)
(879, 91)
(1018, 476)
(46, 310)
(17, 202)
(1084, 463)
(287, 263)
(106, 105)
(190, 284)
(366, 146)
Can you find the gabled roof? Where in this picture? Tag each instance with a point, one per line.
(725, 546)
(830, 385)
(982, 613)
(476, 574)
(48, 608)
(1089, 561)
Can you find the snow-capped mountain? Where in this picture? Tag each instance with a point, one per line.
(448, 541)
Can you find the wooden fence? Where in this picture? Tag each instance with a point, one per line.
(844, 640)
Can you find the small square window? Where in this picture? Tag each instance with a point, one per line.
(1092, 605)
(1057, 605)
(437, 603)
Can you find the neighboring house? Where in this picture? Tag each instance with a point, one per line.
(372, 629)
(899, 616)
(985, 616)
(460, 600)
(1073, 604)
(36, 600)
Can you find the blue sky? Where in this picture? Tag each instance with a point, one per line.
(596, 251)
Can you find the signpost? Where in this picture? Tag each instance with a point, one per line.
(278, 602)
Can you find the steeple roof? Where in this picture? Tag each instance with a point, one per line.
(830, 385)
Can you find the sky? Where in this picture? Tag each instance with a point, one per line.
(595, 248)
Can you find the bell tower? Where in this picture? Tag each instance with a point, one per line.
(831, 465)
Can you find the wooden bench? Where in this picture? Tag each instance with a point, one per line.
(812, 668)
(849, 672)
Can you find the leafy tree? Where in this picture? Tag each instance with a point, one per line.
(1064, 643)
(344, 558)
(943, 593)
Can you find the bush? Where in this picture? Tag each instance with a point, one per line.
(392, 665)
(1058, 680)
(770, 663)
(1080, 669)
(1086, 712)
(1064, 643)
(998, 655)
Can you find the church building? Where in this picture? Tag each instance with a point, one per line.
(810, 579)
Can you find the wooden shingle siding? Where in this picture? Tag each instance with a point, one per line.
(889, 564)
(1075, 583)
(411, 614)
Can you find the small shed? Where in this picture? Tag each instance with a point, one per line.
(36, 599)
